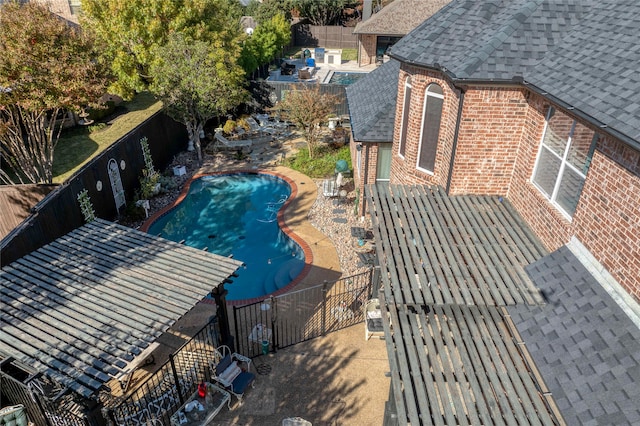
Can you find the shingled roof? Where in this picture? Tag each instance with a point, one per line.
(399, 17)
(372, 104)
(16, 202)
(584, 53)
(585, 346)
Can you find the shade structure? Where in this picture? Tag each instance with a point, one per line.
(80, 309)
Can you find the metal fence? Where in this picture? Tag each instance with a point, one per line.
(155, 400)
(297, 316)
(42, 402)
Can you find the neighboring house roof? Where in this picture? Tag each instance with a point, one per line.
(585, 346)
(16, 202)
(455, 354)
(399, 17)
(582, 53)
(81, 308)
(372, 104)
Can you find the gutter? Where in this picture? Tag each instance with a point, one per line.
(604, 128)
(519, 81)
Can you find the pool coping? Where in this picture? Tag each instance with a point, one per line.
(318, 249)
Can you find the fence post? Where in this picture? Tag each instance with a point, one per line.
(274, 328)
(175, 378)
(324, 307)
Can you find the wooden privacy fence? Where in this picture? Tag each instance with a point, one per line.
(331, 36)
(301, 315)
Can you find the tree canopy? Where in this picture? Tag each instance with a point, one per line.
(130, 30)
(267, 9)
(322, 12)
(46, 69)
(196, 81)
(265, 43)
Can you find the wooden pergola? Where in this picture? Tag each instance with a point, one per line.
(449, 264)
(82, 309)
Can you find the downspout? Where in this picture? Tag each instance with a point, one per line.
(455, 141)
(365, 179)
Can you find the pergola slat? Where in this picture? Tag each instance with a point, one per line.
(453, 359)
(80, 308)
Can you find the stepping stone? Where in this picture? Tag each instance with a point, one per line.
(340, 220)
(339, 211)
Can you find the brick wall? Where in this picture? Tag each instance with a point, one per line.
(403, 170)
(488, 140)
(607, 220)
(369, 159)
(498, 142)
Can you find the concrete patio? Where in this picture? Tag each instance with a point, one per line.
(338, 379)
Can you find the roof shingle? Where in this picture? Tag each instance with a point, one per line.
(399, 17)
(372, 104)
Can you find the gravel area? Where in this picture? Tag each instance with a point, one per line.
(334, 217)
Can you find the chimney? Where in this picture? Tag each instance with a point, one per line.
(366, 9)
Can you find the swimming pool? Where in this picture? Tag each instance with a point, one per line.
(346, 78)
(236, 215)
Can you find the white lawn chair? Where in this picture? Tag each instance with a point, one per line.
(260, 129)
(222, 142)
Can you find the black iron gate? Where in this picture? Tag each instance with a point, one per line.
(301, 315)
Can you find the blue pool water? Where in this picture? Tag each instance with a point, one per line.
(236, 215)
(346, 78)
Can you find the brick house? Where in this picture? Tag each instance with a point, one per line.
(534, 103)
(384, 28)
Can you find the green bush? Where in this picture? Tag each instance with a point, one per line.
(324, 163)
(97, 127)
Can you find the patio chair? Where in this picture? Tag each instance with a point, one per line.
(222, 142)
(258, 128)
(231, 371)
(372, 319)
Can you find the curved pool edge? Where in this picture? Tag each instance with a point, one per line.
(293, 220)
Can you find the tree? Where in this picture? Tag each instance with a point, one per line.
(196, 81)
(267, 9)
(322, 12)
(308, 109)
(266, 41)
(130, 30)
(46, 69)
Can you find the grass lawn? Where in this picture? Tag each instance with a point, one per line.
(78, 145)
(322, 165)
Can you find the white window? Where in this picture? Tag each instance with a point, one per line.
(405, 116)
(563, 160)
(383, 165)
(431, 117)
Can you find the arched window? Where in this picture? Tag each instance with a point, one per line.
(405, 116)
(432, 115)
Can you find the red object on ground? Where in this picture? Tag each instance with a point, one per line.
(202, 390)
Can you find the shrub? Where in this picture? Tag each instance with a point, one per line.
(229, 127)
